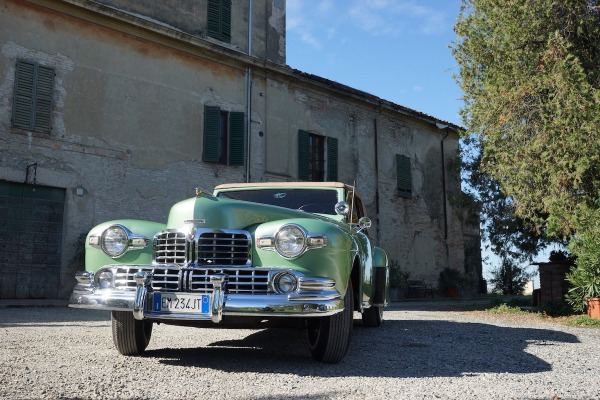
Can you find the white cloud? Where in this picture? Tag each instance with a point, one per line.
(395, 17)
(307, 38)
(317, 22)
(300, 21)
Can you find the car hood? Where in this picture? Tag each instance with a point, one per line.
(207, 211)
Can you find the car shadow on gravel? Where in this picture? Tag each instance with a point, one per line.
(408, 348)
(40, 316)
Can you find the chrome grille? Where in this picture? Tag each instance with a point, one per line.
(165, 279)
(210, 248)
(239, 281)
(223, 248)
(170, 248)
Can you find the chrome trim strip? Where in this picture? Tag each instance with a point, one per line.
(272, 305)
(315, 283)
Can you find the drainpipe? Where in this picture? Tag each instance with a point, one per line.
(248, 119)
(445, 128)
(376, 179)
(249, 95)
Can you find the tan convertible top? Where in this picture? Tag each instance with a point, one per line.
(292, 185)
(284, 184)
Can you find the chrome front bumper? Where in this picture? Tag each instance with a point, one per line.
(320, 302)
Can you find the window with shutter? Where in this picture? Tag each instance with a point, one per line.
(312, 158)
(224, 136)
(316, 166)
(219, 19)
(34, 87)
(404, 176)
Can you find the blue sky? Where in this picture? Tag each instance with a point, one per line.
(394, 49)
(397, 50)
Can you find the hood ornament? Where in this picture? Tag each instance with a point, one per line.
(194, 221)
(191, 236)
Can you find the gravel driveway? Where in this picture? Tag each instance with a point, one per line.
(418, 353)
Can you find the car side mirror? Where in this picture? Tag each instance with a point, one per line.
(364, 223)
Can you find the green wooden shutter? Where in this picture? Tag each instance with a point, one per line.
(236, 138)
(43, 98)
(212, 134)
(219, 19)
(332, 159)
(24, 95)
(303, 155)
(34, 85)
(404, 176)
(214, 16)
(226, 20)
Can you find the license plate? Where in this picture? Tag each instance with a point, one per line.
(181, 303)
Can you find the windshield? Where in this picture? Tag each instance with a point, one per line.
(319, 201)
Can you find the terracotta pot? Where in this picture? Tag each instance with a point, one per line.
(593, 308)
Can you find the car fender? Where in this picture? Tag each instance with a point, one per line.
(95, 257)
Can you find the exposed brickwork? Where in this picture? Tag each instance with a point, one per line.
(553, 285)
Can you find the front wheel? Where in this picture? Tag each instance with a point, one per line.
(329, 337)
(131, 336)
(373, 316)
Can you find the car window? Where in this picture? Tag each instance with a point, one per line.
(320, 201)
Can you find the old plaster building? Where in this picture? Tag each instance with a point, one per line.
(117, 109)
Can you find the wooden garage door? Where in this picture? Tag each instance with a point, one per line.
(31, 221)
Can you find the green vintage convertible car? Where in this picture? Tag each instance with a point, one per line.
(247, 255)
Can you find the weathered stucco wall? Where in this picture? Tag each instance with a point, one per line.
(127, 128)
(268, 22)
(127, 119)
(413, 231)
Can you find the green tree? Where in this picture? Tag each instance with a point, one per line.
(530, 73)
(508, 235)
(509, 279)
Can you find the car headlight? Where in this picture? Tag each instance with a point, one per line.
(285, 282)
(114, 241)
(290, 241)
(105, 279)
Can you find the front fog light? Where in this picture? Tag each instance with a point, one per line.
(114, 241)
(105, 279)
(290, 241)
(286, 282)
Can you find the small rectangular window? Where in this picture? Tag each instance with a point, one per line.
(34, 88)
(317, 157)
(224, 136)
(316, 149)
(404, 176)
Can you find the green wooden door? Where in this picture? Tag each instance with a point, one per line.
(31, 223)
